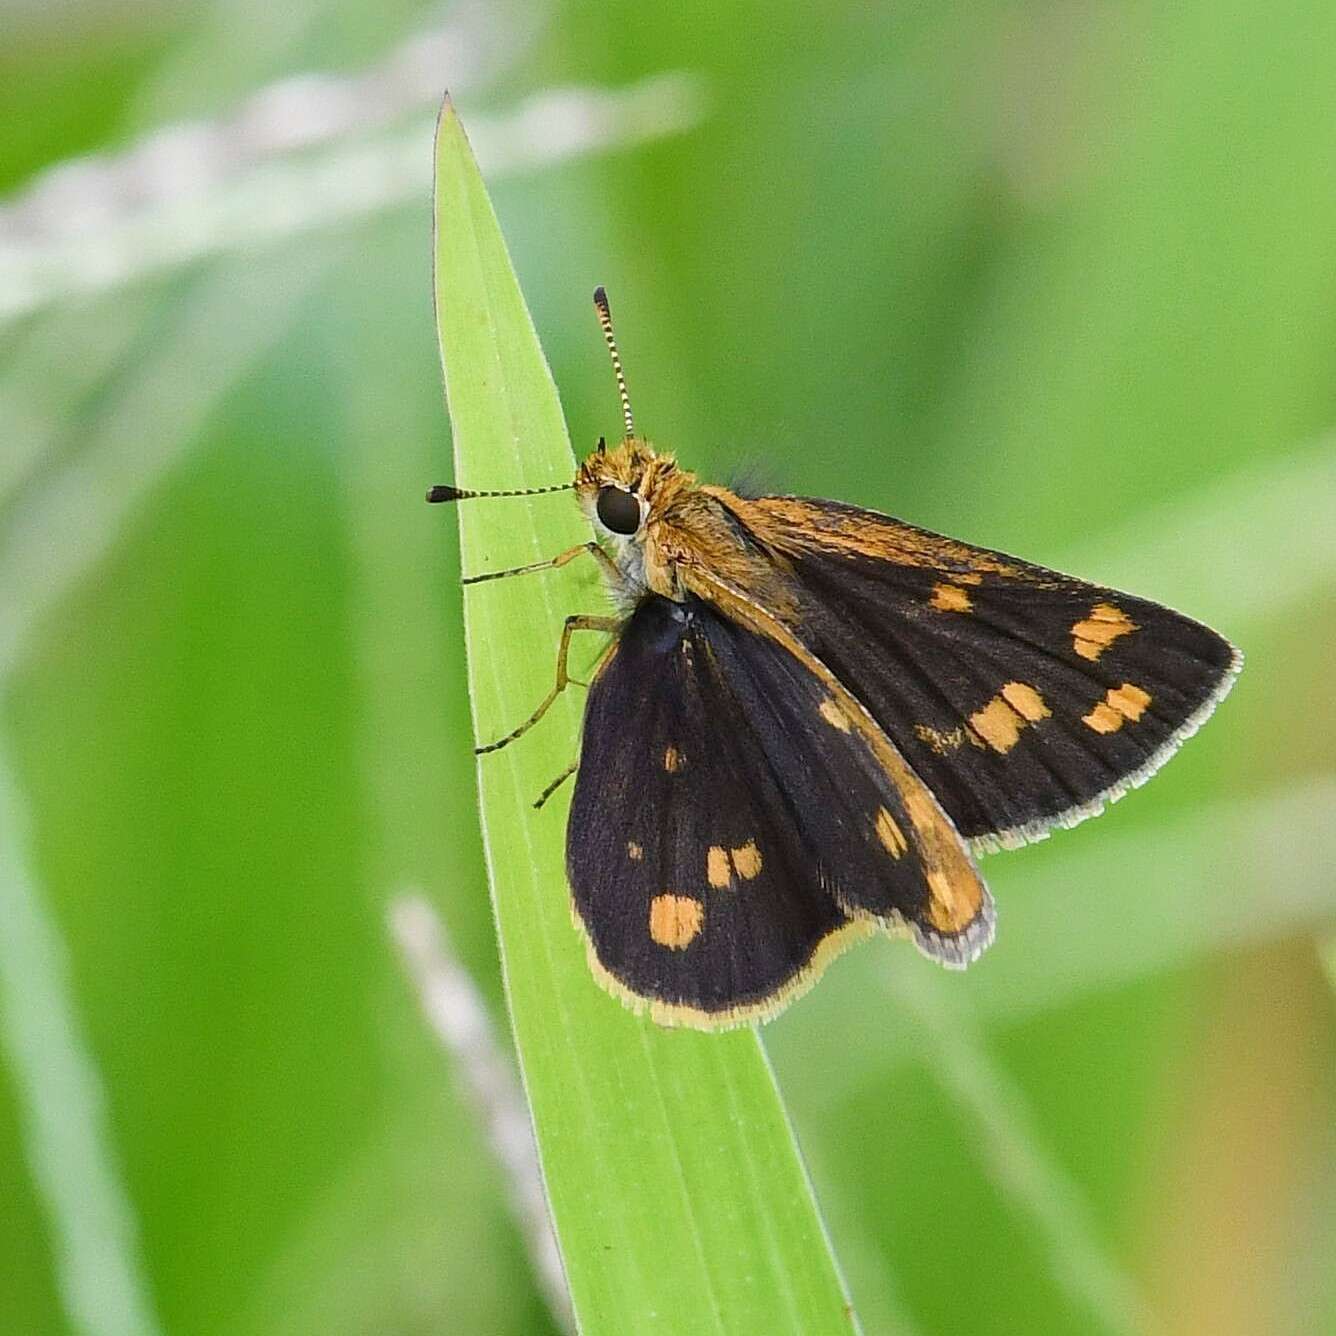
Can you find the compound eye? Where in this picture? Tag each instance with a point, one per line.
(618, 510)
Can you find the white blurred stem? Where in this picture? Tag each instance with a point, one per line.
(66, 1135)
(459, 1019)
(52, 252)
(1327, 954)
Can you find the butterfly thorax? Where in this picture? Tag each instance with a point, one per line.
(683, 525)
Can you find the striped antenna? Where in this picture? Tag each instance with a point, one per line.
(444, 492)
(605, 321)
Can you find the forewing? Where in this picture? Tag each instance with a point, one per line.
(1023, 698)
(730, 830)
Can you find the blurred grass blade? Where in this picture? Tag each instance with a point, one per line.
(1243, 873)
(66, 1131)
(1244, 546)
(1276, 850)
(1009, 1143)
(141, 430)
(679, 1198)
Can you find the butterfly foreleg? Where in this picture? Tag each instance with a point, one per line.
(552, 563)
(573, 624)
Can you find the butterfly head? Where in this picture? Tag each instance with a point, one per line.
(624, 487)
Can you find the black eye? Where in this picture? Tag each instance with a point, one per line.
(618, 510)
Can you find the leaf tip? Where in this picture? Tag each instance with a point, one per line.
(447, 114)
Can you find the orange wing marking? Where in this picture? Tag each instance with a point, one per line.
(1093, 635)
(1000, 722)
(675, 920)
(1121, 705)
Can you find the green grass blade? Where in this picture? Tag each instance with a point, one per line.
(679, 1196)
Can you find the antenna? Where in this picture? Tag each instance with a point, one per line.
(444, 492)
(605, 322)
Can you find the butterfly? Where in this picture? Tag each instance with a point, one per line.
(811, 718)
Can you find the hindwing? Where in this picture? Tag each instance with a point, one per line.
(736, 822)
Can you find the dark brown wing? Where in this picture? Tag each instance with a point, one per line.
(732, 827)
(1023, 698)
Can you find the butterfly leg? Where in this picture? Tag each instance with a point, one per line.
(556, 784)
(573, 624)
(553, 563)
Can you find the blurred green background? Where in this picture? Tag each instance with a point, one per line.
(1056, 278)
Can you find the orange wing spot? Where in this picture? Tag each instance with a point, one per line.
(674, 920)
(747, 861)
(890, 834)
(673, 760)
(999, 723)
(634, 852)
(1103, 719)
(1129, 700)
(830, 711)
(967, 577)
(950, 740)
(1026, 701)
(1092, 636)
(717, 870)
(950, 598)
(1124, 704)
(951, 907)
